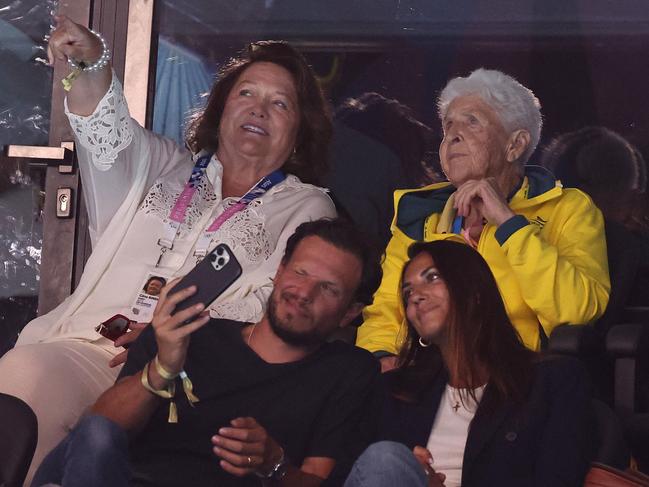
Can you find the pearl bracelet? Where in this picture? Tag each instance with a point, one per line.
(99, 63)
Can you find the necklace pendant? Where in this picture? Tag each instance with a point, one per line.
(456, 406)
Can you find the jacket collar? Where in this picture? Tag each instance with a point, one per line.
(415, 206)
(431, 400)
(539, 185)
(421, 415)
(483, 427)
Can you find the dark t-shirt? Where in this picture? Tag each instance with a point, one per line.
(319, 406)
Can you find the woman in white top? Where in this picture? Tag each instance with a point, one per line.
(470, 405)
(265, 115)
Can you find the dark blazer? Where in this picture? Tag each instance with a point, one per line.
(545, 442)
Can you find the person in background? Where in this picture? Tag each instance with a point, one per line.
(154, 207)
(470, 405)
(614, 174)
(544, 244)
(377, 147)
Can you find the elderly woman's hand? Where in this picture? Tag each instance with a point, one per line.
(71, 40)
(484, 197)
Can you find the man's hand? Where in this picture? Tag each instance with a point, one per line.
(125, 340)
(171, 333)
(425, 458)
(245, 447)
(481, 198)
(70, 40)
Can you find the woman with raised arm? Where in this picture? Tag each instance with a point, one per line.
(155, 208)
(470, 405)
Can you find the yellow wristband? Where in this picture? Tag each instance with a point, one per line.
(164, 373)
(168, 393)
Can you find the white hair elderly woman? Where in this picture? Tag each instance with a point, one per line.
(544, 244)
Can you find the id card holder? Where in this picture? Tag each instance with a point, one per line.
(147, 297)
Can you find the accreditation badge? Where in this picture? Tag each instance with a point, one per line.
(147, 297)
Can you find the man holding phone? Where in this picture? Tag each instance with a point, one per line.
(270, 403)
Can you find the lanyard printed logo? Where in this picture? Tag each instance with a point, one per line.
(179, 210)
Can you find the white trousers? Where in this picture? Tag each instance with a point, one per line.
(59, 381)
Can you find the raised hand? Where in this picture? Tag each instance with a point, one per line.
(171, 332)
(71, 40)
(481, 198)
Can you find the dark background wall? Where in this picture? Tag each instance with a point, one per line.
(586, 60)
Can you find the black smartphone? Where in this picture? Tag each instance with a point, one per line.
(211, 276)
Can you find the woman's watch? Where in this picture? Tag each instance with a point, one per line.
(277, 471)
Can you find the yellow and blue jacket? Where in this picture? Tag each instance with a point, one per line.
(549, 260)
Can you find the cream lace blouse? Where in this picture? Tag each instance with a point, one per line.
(131, 179)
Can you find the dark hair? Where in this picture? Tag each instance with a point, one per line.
(481, 336)
(309, 162)
(343, 234)
(394, 124)
(603, 164)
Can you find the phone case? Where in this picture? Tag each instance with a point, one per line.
(211, 276)
(114, 327)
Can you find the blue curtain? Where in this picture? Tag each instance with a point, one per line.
(181, 79)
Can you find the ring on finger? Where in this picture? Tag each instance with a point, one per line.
(249, 461)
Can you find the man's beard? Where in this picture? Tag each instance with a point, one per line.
(288, 335)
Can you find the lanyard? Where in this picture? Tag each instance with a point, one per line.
(179, 211)
(457, 225)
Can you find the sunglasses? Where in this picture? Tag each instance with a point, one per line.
(114, 327)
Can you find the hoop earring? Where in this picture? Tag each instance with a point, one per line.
(423, 343)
